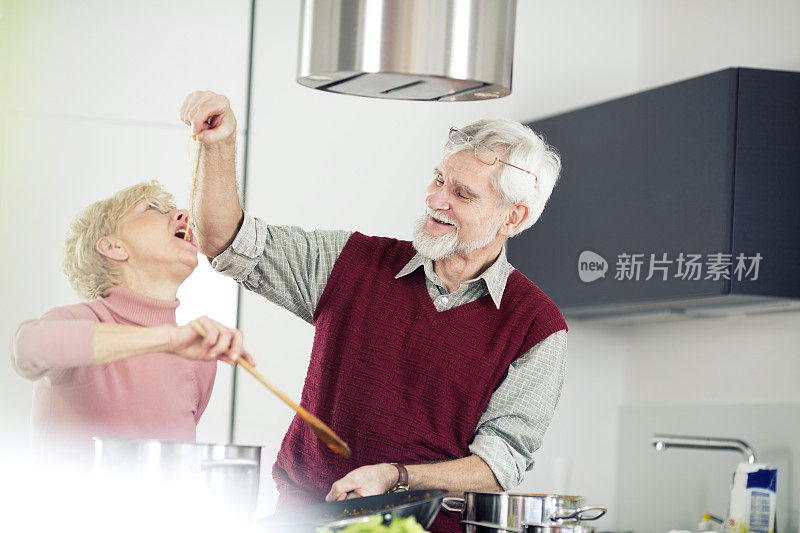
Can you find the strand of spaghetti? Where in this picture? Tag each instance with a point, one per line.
(195, 163)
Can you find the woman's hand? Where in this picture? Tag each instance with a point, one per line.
(220, 342)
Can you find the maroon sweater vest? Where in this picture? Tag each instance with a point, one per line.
(394, 378)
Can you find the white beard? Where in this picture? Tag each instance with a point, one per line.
(448, 245)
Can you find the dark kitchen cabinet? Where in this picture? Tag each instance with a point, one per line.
(708, 168)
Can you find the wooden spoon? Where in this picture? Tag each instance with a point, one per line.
(325, 433)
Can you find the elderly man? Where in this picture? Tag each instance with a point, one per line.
(436, 360)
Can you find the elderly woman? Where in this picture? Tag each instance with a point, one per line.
(117, 365)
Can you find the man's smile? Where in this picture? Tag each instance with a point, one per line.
(439, 222)
(439, 219)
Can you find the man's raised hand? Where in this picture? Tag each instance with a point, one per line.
(210, 116)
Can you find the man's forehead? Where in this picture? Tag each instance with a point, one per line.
(471, 174)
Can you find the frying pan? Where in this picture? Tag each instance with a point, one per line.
(423, 505)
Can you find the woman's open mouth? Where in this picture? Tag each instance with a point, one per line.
(185, 234)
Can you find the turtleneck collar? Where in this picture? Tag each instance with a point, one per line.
(135, 308)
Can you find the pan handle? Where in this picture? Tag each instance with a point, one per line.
(578, 514)
(492, 526)
(454, 505)
(345, 522)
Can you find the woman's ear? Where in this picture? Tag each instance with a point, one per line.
(112, 247)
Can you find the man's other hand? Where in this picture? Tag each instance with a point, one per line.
(365, 481)
(210, 117)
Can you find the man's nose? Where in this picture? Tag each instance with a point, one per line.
(438, 200)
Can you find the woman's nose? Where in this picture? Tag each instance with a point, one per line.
(180, 214)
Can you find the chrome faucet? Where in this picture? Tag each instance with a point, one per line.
(662, 442)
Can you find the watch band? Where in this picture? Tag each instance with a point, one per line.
(402, 478)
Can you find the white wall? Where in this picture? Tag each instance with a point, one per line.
(684, 38)
(91, 94)
(719, 361)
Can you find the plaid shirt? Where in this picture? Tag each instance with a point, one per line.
(290, 267)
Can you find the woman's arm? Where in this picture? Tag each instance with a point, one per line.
(112, 342)
(60, 339)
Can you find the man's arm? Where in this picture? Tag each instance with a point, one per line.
(514, 422)
(469, 473)
(285, 264)
(218, 214)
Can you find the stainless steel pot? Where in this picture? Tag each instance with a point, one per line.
(224, 474)
(564, 528)
(532, 528)
(491, 512)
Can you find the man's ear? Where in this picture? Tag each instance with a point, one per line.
(518, 214)
(112, 247)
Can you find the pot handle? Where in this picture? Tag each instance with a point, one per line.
(492, 526)
(578, 514)
(454, 505)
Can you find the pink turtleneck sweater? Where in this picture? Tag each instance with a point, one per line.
(156, 395)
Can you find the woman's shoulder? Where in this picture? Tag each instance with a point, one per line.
(91, 310)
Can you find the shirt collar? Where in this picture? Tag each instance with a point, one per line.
(495, 277)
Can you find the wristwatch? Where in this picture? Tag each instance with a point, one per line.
(402, 479)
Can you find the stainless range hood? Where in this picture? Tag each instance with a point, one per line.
(434, 50)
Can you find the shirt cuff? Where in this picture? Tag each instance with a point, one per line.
(240, 258)
(507, 464)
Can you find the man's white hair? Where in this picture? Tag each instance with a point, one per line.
(524, 148)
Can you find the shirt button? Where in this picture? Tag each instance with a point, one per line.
(445, 299)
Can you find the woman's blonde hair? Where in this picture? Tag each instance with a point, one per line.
(89, 272)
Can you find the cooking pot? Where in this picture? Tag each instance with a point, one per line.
(495, 512)
(226, 475)
(532, 528)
